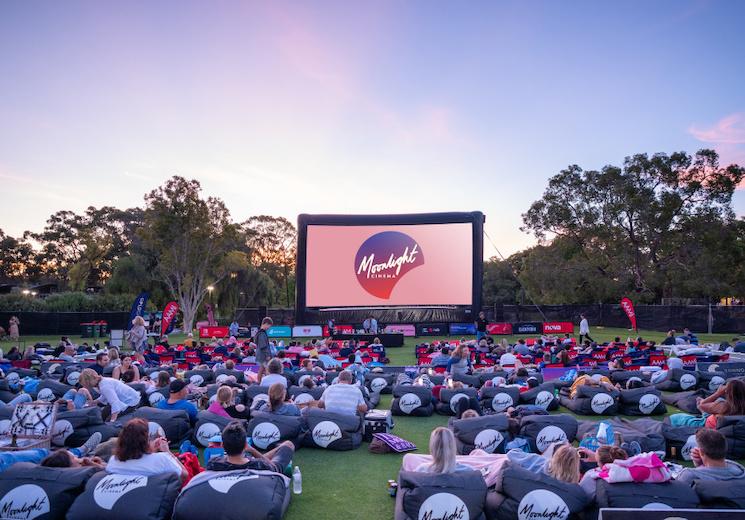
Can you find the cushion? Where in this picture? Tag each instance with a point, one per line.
(461, 495)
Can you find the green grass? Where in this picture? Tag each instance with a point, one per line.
(352, 484)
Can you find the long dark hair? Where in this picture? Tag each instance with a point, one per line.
(133, 440)
(734, 394)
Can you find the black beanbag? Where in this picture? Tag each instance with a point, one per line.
(68, 422)
(412, 400)
(543, 430)
(711, 381)
(491, 376)
(489, 433)
(647, 432)
(622, 376)
(686, 401)
(31, 491)
(675, 380)
(200, 377)
(254, 394)
(234, 495)
(302, 395)
(646, 400)
(126, 497)
(175, 423)
(208, 425)
(267, 430)
(333, 431)
(733, 428)
(380, 383)
(677, 495)
(49, 389)
(460, 495)
(499, 398)
(542, 395)
(223, 374)
(449, 398)
(590, 400)
(719, 494)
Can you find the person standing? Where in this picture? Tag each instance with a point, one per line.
(370, 325)
(332, 327)
(584, 328)
(263, 349)
(234, 328)
(13, 324)
(137, 337)
(480, 326)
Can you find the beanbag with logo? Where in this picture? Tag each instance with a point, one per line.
(675, 380)
(647, 432)
(22, 372)
(333, 431)
(156, 396)
(234, 495)
(733, 428)
(711, 381)
(380, 383)
(622, 376)
(50, 390)
(412, 400)
(71, 420)
(208, 425)
(530, 496)
(719, 494)
(255, 394)
(489, 433)
(543, 430)
(175, 423)
(53, 369)
(200, 377)
(302, 395)
(460, 495)
(71, 374)
(642, 401)
(267, 430)
(677, 495)
(542, 395)
(590, 400)
(29, 491)
(224, 372)
(82, 433)
(499, 398)
(126, 497)
(449, 398)
(490, 376)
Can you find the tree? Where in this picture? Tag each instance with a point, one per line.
(192, 241)
(16, 258)
(273, 245)
(630, 222)
(499, 285)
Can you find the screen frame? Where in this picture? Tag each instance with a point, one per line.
(475, 218)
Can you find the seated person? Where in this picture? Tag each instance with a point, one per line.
(520, 377)
(709, 460)
(65, 459)
(278, 402)
(560, 461)
(235, 446)
(590, 380)
(102, 359)
(274, 374)
(343, 397)
(69, 353)
(605, 454)
(177, 400)
(441, 359)
(443, 449)
(137, 454)
(122, 371)
(223, 399)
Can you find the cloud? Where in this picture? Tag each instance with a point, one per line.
(727, 137)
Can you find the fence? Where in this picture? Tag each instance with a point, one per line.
(61, 323)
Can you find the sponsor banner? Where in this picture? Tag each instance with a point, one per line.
(340, 329)
(138, 308)
(169, 313)
(307, 331)
(730, 368)
(657, 511)
(499, 328)
(406, 330)
(558, 327)
(457, 329)
(528, 327)
(432, 329)
(214, 332)
(628, 307)
(279, 331)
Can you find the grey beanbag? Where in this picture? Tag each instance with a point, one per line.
(542, 395)
(267, 430)
(675, 380)
(208, 425)
(489, 433)
(449, 397)
(543, 430)
(499, 398)
(590, 400)
(333, 431)
(677, 495)
(647, 432)
(412, 400)
(175, 423)
(380, 383)
(718, 494)
(302, 395)
(460, 495)
(49, 390)
(733, 428)
(642, 401)
(200, 377)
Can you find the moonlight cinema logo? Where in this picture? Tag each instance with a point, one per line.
(383, 259)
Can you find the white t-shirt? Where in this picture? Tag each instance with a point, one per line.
(584, 327)
(270, 379)
(117, 394)
(147, 465)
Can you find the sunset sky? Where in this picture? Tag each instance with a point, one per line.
(354, 107)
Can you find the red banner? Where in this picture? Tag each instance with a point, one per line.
(340, 329)
(168, 314)
(214, 332)
(628, 307)
(499, 328)
(558, 327)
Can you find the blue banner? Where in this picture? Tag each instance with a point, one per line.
(457, 329)
(138, 308)
(279, 331)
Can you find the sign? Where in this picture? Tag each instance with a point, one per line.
(669, 513)
(340, 329)
(279, 331)
(169, 313)
(731, 368)
(406, 330)
(307, 331)
(384, 259)
(558, 327)
(499, 328)
(138, 308)
(111, 488)
(628, 307)
(214, 332)
(432, 329)
(549, 374)
(530, 327)
(325, 433)
(457, 329)
(25, 502)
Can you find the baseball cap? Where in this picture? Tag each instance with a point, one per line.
(176, 386)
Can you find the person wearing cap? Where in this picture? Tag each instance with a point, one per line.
(177, 400)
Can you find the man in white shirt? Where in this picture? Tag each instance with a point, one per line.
(274, 369)
(69, 353)
(114, 393)
(507, 359)
(343, 397)
(584, 328)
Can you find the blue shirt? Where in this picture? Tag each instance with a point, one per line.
(181, 404)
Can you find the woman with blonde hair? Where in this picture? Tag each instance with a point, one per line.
(443, 450)
(277, 402)
(137, 337)
(120, 397)
(223, 400)
(114, 360)
(460, 360)
(564, 464)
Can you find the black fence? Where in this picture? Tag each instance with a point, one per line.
(61, 323)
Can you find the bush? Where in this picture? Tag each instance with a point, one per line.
(66, 302)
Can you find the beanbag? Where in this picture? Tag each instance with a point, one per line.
(718, 494)
(208, 425)
(677, 495)
(622, 376)
(31, 491)
(222, 374)
(467, 380)
(53, 369)
(126, 497)
(81, 434)
(647, 432)
(175, 423)
(69, 421)
(72, 374)
(686, 401)
(590, 400)
(157, 396)
(267, 430)
(22, 372)
(380, 383)
(48, 390)
(489, 433)
(499, 398)
(200, 377)
(711, 381)
(302, 395)
(412, 400)
(333, 431)
(490, 376)
(675, 380)
(234, 495)
(543, 430)
(255, 394)
(542, 396)
(531, 495)
(449, 397)
(642, 401)
(733, 428)
(460, 495)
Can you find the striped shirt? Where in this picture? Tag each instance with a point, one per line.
(342, 398)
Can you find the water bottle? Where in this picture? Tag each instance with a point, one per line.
(297, 481)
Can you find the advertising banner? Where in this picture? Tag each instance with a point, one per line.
(499, 328)
(432, 329)
(279, 331)
(169, 313)
(457, 329)
(138, 308)
(340, 329)
(406, 330)
(307, 331)
(558, 327)
(628, 307)
(214, 332)
(731, 369)
(528, 327)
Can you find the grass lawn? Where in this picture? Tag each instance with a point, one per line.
(352, 484)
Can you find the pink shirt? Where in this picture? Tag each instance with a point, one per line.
(217, 409)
